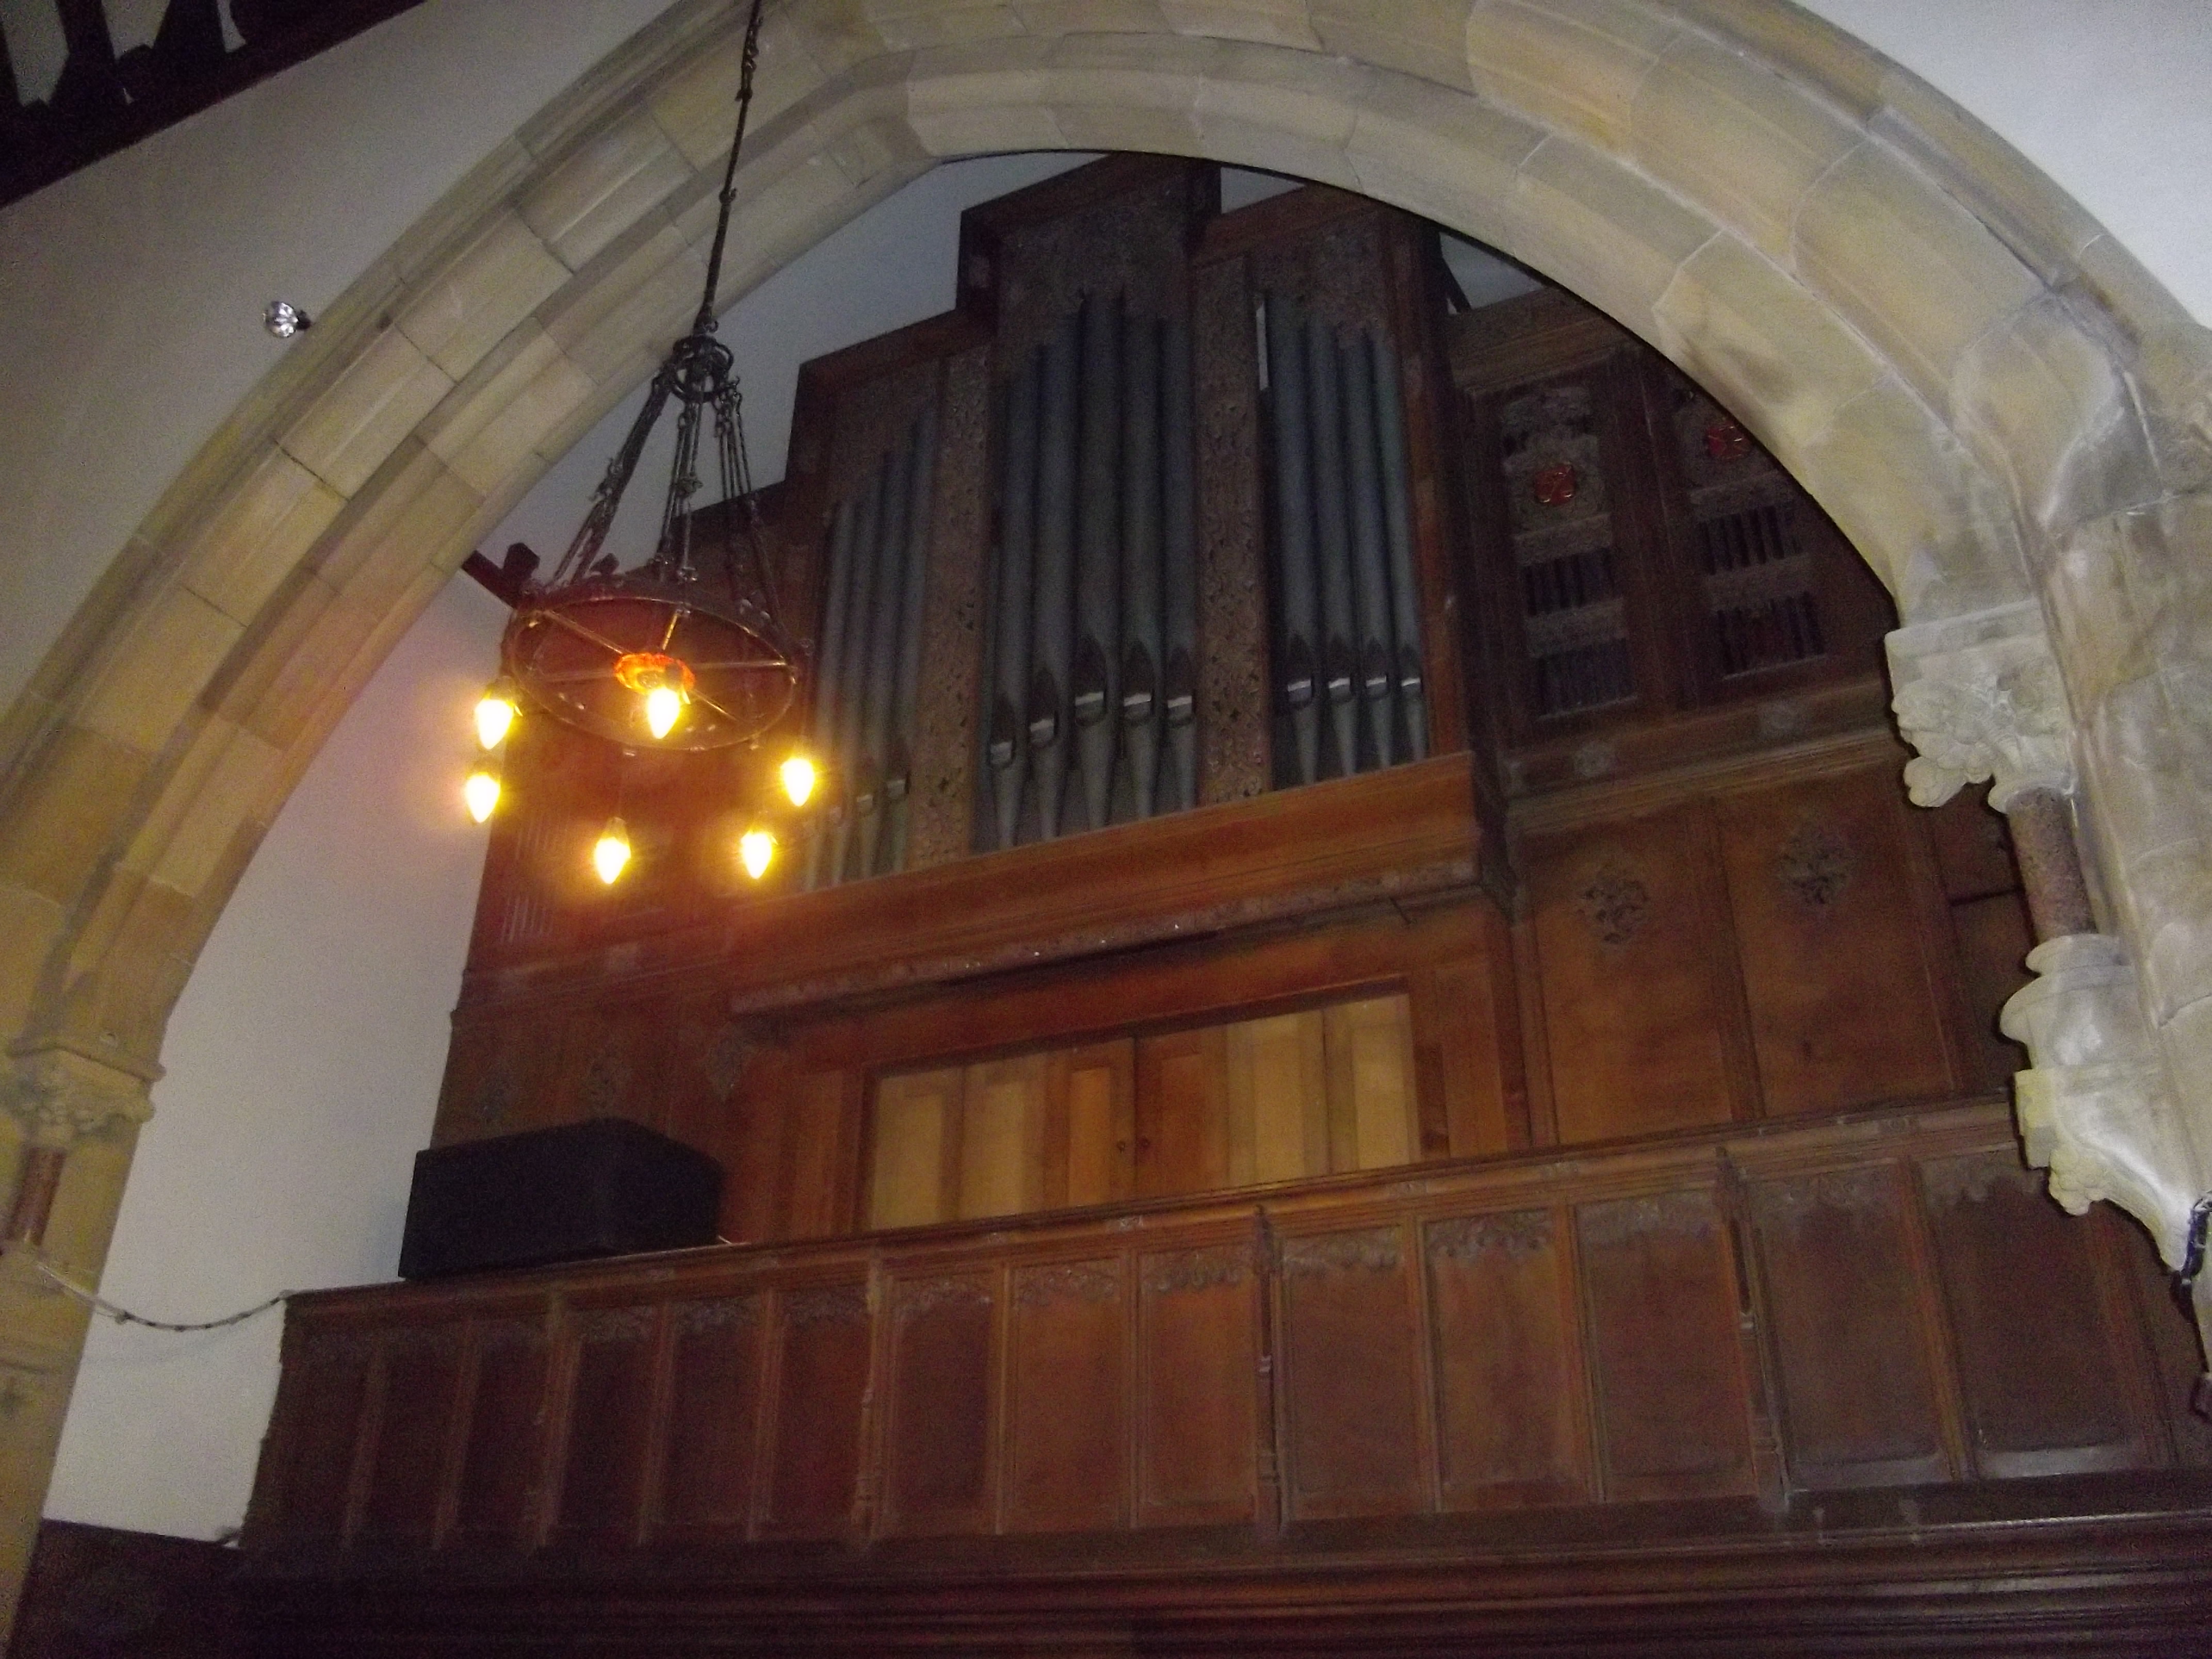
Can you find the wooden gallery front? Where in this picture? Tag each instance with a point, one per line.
(1365, 1054)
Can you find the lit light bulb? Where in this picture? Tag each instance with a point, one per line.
(482, 793)
(612, 852)
(799, 779)
(756, 847)
(664, 705)
(496, 713)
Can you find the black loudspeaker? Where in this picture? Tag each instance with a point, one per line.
(607, 1186)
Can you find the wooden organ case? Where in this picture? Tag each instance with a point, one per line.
(1365, 1013)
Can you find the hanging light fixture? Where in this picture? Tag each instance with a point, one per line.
(685, 651)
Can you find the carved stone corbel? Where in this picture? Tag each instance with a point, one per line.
(61, 1098)
(2096, 1107)
(1980, 697)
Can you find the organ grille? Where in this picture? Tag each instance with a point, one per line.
(1347, 617)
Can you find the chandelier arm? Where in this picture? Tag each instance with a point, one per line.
(673, 551)
(592, 635)
(748, 63)
(592, 534)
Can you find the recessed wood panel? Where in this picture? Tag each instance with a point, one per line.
(917, 1115)
(822, 1378)
(327, 1390)
(1845, 1004)
(610, 1408)
(1858, 1396)
(1373, 1117)
(501, 1454)
(1198, 1381)
(714, 1411)
(1182, 1113)
(421, 1374)
(1096, 1094)
(2036, 1357)
(1351, 1369)
(1672, 1418)
(1508, 1385)
(1638, 1010)
(1067, 1441)
(1277, 1099)
(943, 1358)
(1002, 1124)
(816, 1150)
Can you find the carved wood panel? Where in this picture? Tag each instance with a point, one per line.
(501, 1447)
(1197, 1380)
(1351, 1375)
(321, 1409)
(422, 1376)
(942, 1422)
(716, 1352)
(612, 1354)
(821, 1362)
(1067, 1435)
(1234, 698)
(1505, 1361)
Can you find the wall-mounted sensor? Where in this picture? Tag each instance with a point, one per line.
(284, 320)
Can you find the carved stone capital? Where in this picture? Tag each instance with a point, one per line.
(1980, 697)
(61, 1097)
(2097, 1109)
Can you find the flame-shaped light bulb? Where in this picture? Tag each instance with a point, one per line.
(612, 852)
(496, 712)
(756, 849)
(799, 779)
(481, 791)
(664, 707)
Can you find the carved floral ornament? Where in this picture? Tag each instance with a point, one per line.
(1980, 697)
(1816, 863)
(61, 1098)
(1614, 903)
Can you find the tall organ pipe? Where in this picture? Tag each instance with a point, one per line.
(882, 664)
(1007, 746)
(1398, 523)
(1052, 624)
(907, 690)
(1098, 548)
(1370, 588)
(1325, 396)
(1179, 558)
(1287, 364)
(828, 647)
(852, 665)
(1141, 558)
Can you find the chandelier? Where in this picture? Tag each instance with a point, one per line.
(685, 651)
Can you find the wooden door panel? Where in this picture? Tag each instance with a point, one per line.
(1846, 1005)
(421, 1379)
(1002, 1132)
(1092, 1092)
(610, 1411)
(938, 1442)
(1277, 1099)
(1858, 1403)
(1373, 1119)
(818, 1161)
(917, 1117)
(1508, 1382)
(501, 1456)
(713, 1415)
(2036, 1350)
(1067, 1438)
(1672, 1418)
(1197, 1383)
(1639, 1014)
(1350, 1371)
(1182, 1113)
(822, 1378)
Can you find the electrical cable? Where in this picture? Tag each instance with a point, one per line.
(123, 1316)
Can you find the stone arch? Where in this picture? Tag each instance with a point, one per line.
(2004, 412)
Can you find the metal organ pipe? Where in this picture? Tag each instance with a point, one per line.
(1097, 676)
(1287, 364)
(1053, 622)
(1179, 559)
(1332, 540)
(921, 444)
(1398, 526)
(1139, 701)
(1007, 747)
(1373, 651)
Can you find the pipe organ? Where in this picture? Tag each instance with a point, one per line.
(1360, 991)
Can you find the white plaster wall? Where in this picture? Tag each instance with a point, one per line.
(305, 1054)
